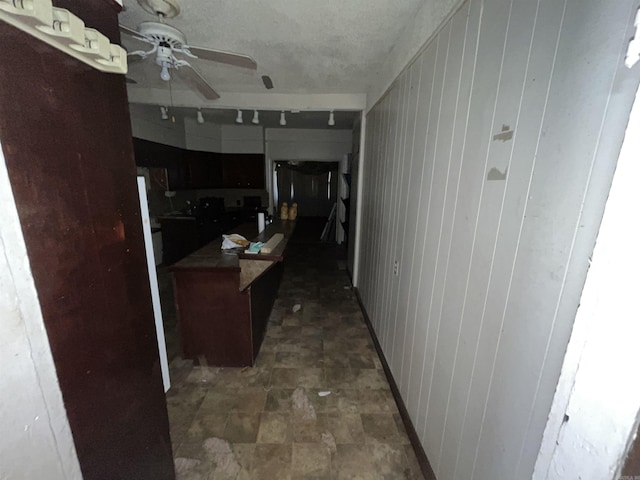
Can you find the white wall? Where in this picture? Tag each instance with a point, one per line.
(149, 126)
(242, 139)
(206, 137)
(36, 439)
(209, 137)
(307, 144)
(601, 366)
(486, 169)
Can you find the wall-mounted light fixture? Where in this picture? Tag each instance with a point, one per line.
(255, 120)
(332, 120)
(239, 117)
(283, 120)
(64, 31)
(200, 117)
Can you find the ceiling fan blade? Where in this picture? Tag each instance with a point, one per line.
(132, 33)
(192, 76)
(220, 56)
(134, 58)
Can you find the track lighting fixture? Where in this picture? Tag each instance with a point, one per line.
(283, 121)
(164, 114)
(255, 119)
(239, 117)
(200, 117)
(332, 120)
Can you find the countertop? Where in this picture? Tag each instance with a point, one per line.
(212, 257)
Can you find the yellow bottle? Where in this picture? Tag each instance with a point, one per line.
(284, 211)
(293, 211)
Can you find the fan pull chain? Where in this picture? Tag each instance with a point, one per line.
(173, 117)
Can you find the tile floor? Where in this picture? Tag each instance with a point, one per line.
(275, 420)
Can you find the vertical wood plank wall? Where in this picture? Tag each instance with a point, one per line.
(487, 166)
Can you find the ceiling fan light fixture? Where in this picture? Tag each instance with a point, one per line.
(164, 115)
(164, 73)
(200, 117)
(283, 120)
(332, 120)
(255, 120)
(239, 117)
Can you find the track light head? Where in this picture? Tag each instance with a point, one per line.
(200, 117)
(283, 120)
(255, 120)
(332, 120)
(239, 117)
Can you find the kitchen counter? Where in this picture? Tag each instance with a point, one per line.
(224, 297)
(212, 256)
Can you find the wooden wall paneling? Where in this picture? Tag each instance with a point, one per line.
(507, 146)
(65, 131)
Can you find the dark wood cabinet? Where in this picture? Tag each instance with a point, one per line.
(224, 298)
(205, 169)
(152, 154)
(191, 169)
(243, 170)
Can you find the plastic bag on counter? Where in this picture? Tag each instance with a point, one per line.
(233, 241)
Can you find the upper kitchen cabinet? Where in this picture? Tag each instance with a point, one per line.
(243, 170)
(189, 169)
(152, 154)
(205, 169)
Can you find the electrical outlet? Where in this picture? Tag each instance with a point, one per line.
(396, 267)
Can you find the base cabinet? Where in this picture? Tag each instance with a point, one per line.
(224, 298)
(219, 324)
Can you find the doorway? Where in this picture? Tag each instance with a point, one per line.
(312, 185)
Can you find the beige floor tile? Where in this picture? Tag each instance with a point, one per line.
(310, 459)
(345, 428)
(250, 399)
(390, 461)
(220, 400)
(337, 378)
(271, 462)
(205, 425)
(337, 400)
(379, 427)
(278, 400)
(275, 428)
(376, 401)
(308, 431)
(242, 427)
(297, 377)
(370, 378)
(354, 462)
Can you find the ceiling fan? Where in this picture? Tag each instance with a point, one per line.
(167, 41)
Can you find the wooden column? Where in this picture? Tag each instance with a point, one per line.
(67, 142)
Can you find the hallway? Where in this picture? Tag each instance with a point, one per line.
(276, 420)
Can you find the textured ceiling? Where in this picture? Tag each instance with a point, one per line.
(305, 46)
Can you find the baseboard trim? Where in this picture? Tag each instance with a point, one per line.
(423, 461)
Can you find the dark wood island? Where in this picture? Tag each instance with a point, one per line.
(224, 297)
